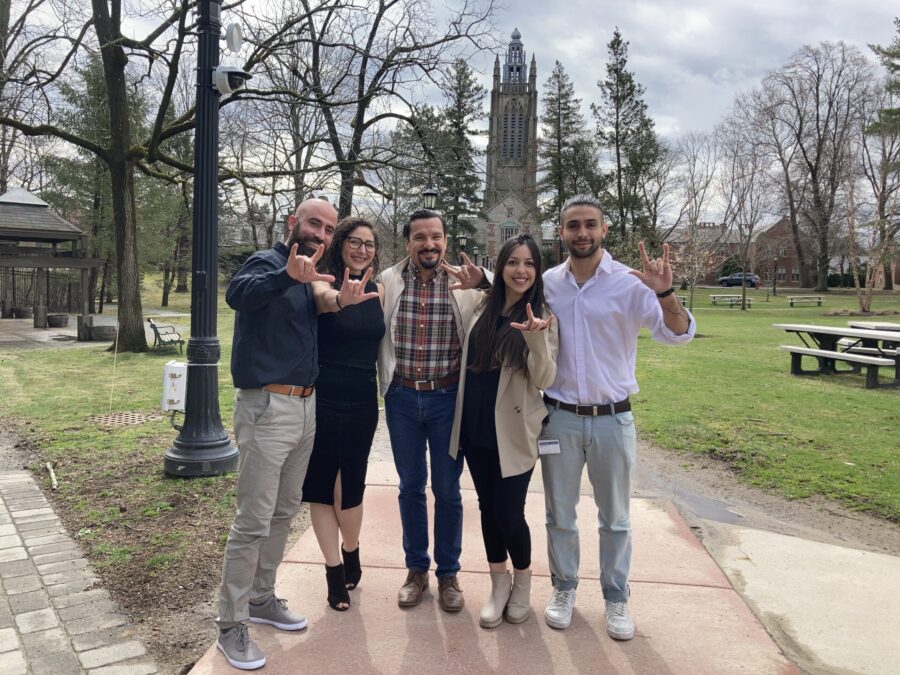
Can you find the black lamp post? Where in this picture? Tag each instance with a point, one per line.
(430, 197)
(774, 275)
(202, 447)
(475, 254)
(461, 241)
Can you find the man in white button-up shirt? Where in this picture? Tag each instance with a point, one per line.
(601, 306)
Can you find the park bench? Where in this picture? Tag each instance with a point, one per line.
(165, 336)
(805, 299)
(730, 300)
(683, 300)
(828, 359)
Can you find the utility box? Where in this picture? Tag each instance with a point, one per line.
(174, 386)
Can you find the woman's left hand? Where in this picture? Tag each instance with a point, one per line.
(533, 324)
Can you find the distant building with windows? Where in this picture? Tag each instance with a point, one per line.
(510, 195)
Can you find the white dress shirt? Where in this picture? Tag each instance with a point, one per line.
(598, 329)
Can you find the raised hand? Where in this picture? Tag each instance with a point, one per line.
(532, 324)
(657, 274)
(353, 292)
(303, 268)
(468, 275)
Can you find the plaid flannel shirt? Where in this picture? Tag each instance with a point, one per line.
(426, 343)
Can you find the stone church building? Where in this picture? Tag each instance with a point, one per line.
(510, 195)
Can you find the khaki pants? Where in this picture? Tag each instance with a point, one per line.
(275, 439)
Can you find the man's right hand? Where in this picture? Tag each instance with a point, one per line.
(303, 268)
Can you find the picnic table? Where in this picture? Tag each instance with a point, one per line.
(874, 325)
(730, 300)
(830, 345)
(805, 299)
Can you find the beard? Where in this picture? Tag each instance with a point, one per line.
(576, 253)
(429, 264)
(306, 244)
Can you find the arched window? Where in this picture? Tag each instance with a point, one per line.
(513, 137)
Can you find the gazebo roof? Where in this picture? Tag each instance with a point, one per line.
(25, 217)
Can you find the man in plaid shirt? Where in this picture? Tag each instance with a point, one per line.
(427, 303)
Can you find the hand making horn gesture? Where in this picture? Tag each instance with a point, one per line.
(468, 275)
(533, 324)
(354, 291)
(657, 274)
(303, 268)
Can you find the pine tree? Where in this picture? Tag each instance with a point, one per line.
(889, 119)
(458, 178)
(626, 131)
(563, 144)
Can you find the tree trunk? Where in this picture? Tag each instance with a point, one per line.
(103, 285)
(822, 260)
(131, 322)
(168, 273)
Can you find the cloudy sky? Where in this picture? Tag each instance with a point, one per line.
(691, 56)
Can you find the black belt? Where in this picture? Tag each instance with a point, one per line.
(591, 410)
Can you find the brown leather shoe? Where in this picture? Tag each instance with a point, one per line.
(450, 597)
(412, 589)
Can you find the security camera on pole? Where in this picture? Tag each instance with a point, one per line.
(202, 447)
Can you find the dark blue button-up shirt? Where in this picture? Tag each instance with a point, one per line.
(275, 329)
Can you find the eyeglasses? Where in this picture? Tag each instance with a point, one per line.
(356, 243)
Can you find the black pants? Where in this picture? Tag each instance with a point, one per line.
(502, 505)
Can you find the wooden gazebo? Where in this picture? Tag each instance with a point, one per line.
(33, 237)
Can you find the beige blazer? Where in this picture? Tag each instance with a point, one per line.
(520, 409)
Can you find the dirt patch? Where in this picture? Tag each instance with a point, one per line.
(850, 312)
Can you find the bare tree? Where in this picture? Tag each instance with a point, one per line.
(879, 157)
(743, 188)
(366, 61)
(698, 247)
(818, 95)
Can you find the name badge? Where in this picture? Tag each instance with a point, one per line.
(548, 447)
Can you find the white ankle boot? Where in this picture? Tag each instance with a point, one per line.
(520, 598)
(492, 612)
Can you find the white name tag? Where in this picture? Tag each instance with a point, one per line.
(548, 447)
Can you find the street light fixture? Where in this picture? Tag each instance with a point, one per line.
(202, 447)
(475, 254)
(774, 275)
(429, 197)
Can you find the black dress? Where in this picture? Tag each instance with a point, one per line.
(346, 402)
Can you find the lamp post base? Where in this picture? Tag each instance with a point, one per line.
(195, 462)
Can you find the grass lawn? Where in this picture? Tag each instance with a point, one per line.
(730, 394)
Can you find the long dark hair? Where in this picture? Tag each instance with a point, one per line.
(333, 262)
(507, 346)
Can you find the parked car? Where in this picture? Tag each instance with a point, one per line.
(737, 278)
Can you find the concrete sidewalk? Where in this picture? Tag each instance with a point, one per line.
(689, 618)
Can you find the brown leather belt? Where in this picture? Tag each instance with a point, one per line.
(591, 410)
(428, 385)
(291, 390)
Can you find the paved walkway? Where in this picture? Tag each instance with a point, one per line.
(689, 618)
(52, 619)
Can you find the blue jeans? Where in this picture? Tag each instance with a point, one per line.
(607, 444)
(415, 418)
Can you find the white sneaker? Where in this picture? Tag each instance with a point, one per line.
(559, 612)
(619, 625)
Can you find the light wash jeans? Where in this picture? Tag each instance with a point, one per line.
(607, 444)
(275, 436)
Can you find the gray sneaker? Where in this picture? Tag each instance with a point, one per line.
(239, 649)
(274, 612)
(619, 625)
(559, 611)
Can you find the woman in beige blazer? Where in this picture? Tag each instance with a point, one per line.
(509, 355)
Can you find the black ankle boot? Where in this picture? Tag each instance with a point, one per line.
(352, 570)
(337, 588)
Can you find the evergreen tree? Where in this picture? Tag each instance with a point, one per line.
(564, 148)
(889, 119)
(458, 178)
(626, 132)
